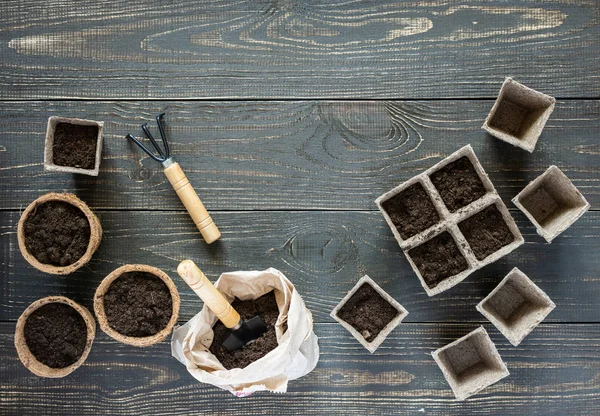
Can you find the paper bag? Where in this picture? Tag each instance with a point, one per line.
(295, 356)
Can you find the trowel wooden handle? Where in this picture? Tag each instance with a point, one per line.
(192, 203)
(217, 303)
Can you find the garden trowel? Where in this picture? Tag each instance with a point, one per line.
(242, 332)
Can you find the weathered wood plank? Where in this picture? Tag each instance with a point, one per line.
(288, 155)
(554, 372)
(281, 48)
(323, 253)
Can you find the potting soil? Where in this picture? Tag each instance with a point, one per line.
(411, 211)
(368, 312)
(75, 145)
(57, 233)
(265, 307)
(486, 232)
(56, 335)
(138, 304)
(458, 184)
(438, 259)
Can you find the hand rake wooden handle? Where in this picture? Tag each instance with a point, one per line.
(217, 303)
(192, 203)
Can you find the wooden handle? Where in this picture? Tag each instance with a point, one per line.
(192, 203)
(217, 303)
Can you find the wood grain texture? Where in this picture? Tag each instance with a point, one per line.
(322, 253)
(554, 372)
(296, 49)
(288, 155)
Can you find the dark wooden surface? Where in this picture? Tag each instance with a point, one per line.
(290, 118)
(295, 48)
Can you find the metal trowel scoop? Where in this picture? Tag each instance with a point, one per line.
(242, 332)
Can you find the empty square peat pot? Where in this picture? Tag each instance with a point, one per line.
(519, 115)
(470, 364)
(369, 313)
(516, 306)
(73, 145)
(442, 220)
(552, 203)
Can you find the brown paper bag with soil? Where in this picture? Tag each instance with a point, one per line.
(295, 355)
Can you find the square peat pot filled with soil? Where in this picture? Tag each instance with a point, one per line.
(369, 313)
(519, 115)
(73, 145)
(552, 203)
(408, 209)
(516, 306)
(491, 233)
(471, 363)
(439, 263)
(460, 180)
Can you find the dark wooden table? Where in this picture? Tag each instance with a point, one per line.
(290, 118)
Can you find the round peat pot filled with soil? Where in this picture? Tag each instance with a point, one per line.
(54, 336)
(137, 305)
(58, 233)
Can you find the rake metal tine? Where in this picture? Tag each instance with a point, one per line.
(152, 140)
(160, 120)
(144, 148)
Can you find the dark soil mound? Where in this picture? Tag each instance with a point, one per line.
(266, 307)
(57, 233)
(458, 184)
(75, 145)
(56, 335)
(138, 304)
(438, 259)
(367, 312)
(411, 211)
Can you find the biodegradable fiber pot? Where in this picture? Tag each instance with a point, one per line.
(103, 319)
(94, 238)
(297, 351)
(26, 356)
(73, 145)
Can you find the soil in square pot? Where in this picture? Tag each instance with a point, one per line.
(411, 211)
(265, 307)
(438, 259)
(75, 145)
(368, 312)
(137, 305)
(486, 232)
(54, 336)
(58, 233)
(458, 184)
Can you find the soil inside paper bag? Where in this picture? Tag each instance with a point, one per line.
(56, 335)
(57, 233)
(266, 307)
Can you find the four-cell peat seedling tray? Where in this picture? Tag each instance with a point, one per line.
(449, 221)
